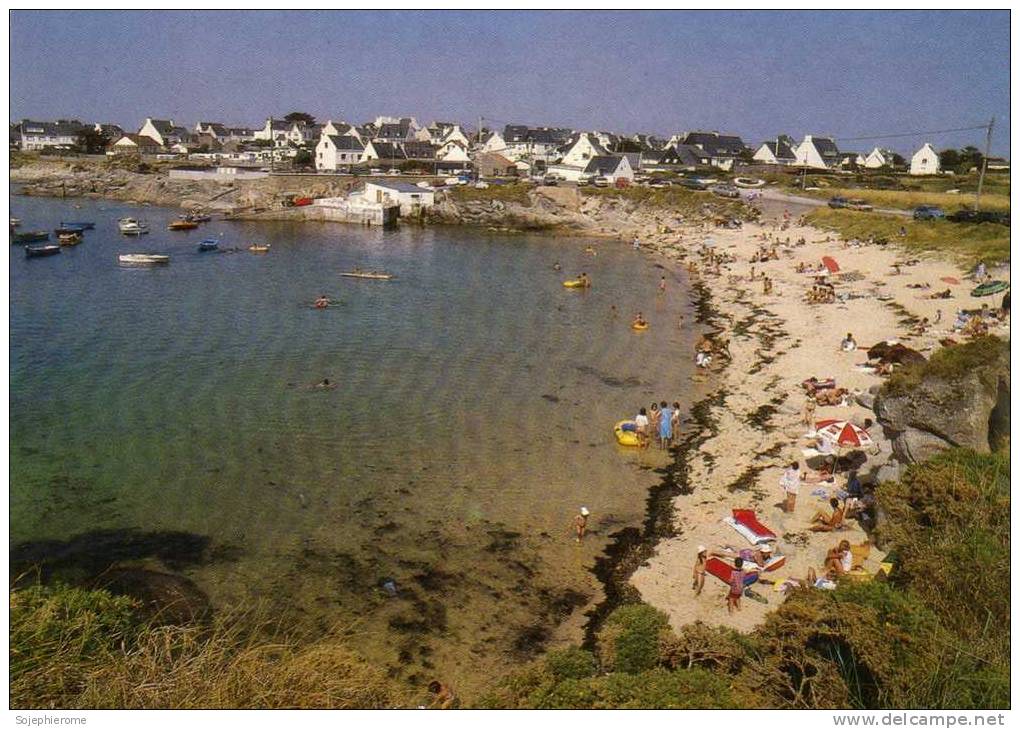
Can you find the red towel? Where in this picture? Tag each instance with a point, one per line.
(717, 568)
(748, 519)
(830, 263)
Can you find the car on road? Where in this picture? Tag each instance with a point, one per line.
(838, 202)
(660, 183)
(978, 216)
(601, 181)
(693, 184)
(928, 212)
(725, 191)
(858, 204)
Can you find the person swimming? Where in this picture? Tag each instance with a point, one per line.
(322, 302)
(639, 320)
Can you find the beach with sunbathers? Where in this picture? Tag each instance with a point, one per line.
(787, 358)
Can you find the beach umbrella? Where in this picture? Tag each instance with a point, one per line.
(843, 434)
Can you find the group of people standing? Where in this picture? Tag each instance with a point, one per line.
(660, 422)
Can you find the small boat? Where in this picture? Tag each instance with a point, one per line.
(258, 249)
(130, 226)
(69, 239)
(989, 288)
(85, 225)
(369, 275)
(209, 244)
(639, 326)
(197, 217)
(15, 222)
(68, 228)
(182, 225)
(32, 236)
(40, 251)
(143, 259)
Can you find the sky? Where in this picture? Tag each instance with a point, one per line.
(756, 74)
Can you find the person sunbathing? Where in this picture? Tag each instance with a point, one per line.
(838, 560)
(828, 523)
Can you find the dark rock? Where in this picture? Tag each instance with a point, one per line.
(165, 599)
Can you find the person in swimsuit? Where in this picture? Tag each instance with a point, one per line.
(322, 302)
(736, 586)
(699, 570)
(641, 427)
(581, 523)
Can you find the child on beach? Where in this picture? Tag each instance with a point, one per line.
(581, 523)
(662, 285)
(676, 421)
(808, 418)
(654, 417)
(698, 583)
(790, 483)
(641, 427)
(736, 586)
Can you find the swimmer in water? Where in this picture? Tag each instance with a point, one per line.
(322, 302)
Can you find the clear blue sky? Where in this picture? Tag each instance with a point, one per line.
(753, 73)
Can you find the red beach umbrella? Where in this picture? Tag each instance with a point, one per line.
(843, 434)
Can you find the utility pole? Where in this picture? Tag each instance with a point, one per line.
(272, 147)
(984, 164)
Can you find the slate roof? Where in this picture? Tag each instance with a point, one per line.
(781, 151)
(61, 128)
(826, 147)
(420, 150)
(163, 126)
(387, 150)
(346, 142)
(715, 144)
(682, 155)
(603, 164)
(401, 187)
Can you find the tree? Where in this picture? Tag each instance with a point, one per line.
(303, 158)
(300, 117)
(89, 141)
(949, 159)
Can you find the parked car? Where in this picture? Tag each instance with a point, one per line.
(375, 171)
(838, 202)
(726, 191)
(978, 216)
(693, 184)
(393, 171)
(928, 212)
(481, 185)
(550, 180)
(660, 183)
(601, 181)
(858, 204)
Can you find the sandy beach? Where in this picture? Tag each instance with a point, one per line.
(778, 340)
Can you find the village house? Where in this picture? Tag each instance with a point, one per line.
(722, 150)
(613, 167)
(925, 161)
(776, 152)
(275, 131)
(534, 144)
(453, 151)
(112, 132)
(336, 151)
(164, 131)
(411, 198)
(420, 151)
(490, 164)
(340, 129)
(61, 134)
(399, 130)
(133, 144)
(879, 158)
(494, 144)
(817, 152)
(583, 149)
(455, 134)
(384, 152)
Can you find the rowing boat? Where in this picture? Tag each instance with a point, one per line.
(370, 275)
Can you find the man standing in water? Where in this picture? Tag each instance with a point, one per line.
(581, 522)
(665, 425)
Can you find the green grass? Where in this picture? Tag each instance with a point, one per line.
(950, 363)
(967, 242)
(678, 199)
(909, 199)
(514, 192)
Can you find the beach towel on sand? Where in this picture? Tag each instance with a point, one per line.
(747, 524)
(830, 263)
(774, 563)
(717, 568)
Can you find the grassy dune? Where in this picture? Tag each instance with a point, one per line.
(907, 199)
(968, 242)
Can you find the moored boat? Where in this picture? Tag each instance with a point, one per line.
(15, 222)
(68, 228)
(197, 217)
(41, 251)
(143, 259)
(84, 225)
(31, 236)
(209, 244)
(69, 239)
(182, 225)
(375, 276)
(130, 226)
(255, 248)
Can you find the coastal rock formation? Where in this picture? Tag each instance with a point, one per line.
(961, 398)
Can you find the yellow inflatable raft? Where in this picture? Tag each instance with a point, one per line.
(639, 327)
(626, 433)
(574, 283)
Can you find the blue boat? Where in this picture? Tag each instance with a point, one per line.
(41, 251)
(69, 228)
(82, 225)
(209, 244)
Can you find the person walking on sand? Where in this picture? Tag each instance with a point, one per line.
(808, 418)
(581, 523)
(736, 586)
(701, 560)
(676, 421)
(790, 483)
(662, 285)
(654, 416)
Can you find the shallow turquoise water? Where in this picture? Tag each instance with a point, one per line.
(476, 399)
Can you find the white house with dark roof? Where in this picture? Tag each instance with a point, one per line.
(778, 151)
(164, 131)
(385, 151)
(613, 167)
(40, 135)
(452, 151)
(494, 144)
(337, 151)
(878, 158)
(582, 151)
(820, 153)
(722, 150)
(925, 161)
(455, 134)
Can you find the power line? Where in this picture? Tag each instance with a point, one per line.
(909, 134)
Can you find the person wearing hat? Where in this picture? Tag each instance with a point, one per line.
(699, 569)
(581, 522)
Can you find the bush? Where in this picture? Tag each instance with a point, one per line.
(631, 638)
(571, 662)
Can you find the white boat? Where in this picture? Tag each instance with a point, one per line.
(130, 226)
(143, 259)
(374, 275)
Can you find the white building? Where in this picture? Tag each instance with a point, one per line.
(495, 144)
(164, 131)
(39, 135)
(878, 158)
(410, 198)
(335, 151)
(925, 161)
(582, 151)
(817, 152)
(777, 152)
(455, 134)
(452, 151)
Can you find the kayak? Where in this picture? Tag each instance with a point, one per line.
(143, 259)
(182, 225)
(34, 236)
(626, 433)
(989, 288)
(373, 276)
(639, 327)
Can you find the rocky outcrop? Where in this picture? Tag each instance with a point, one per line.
(961, 398)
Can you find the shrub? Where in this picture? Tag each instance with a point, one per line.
(631, 637)
(571, 662)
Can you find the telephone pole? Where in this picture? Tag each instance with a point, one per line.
(984, 164)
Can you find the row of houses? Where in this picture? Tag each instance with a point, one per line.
(393, 141)
(822, 153)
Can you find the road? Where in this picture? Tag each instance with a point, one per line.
(773, 200)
